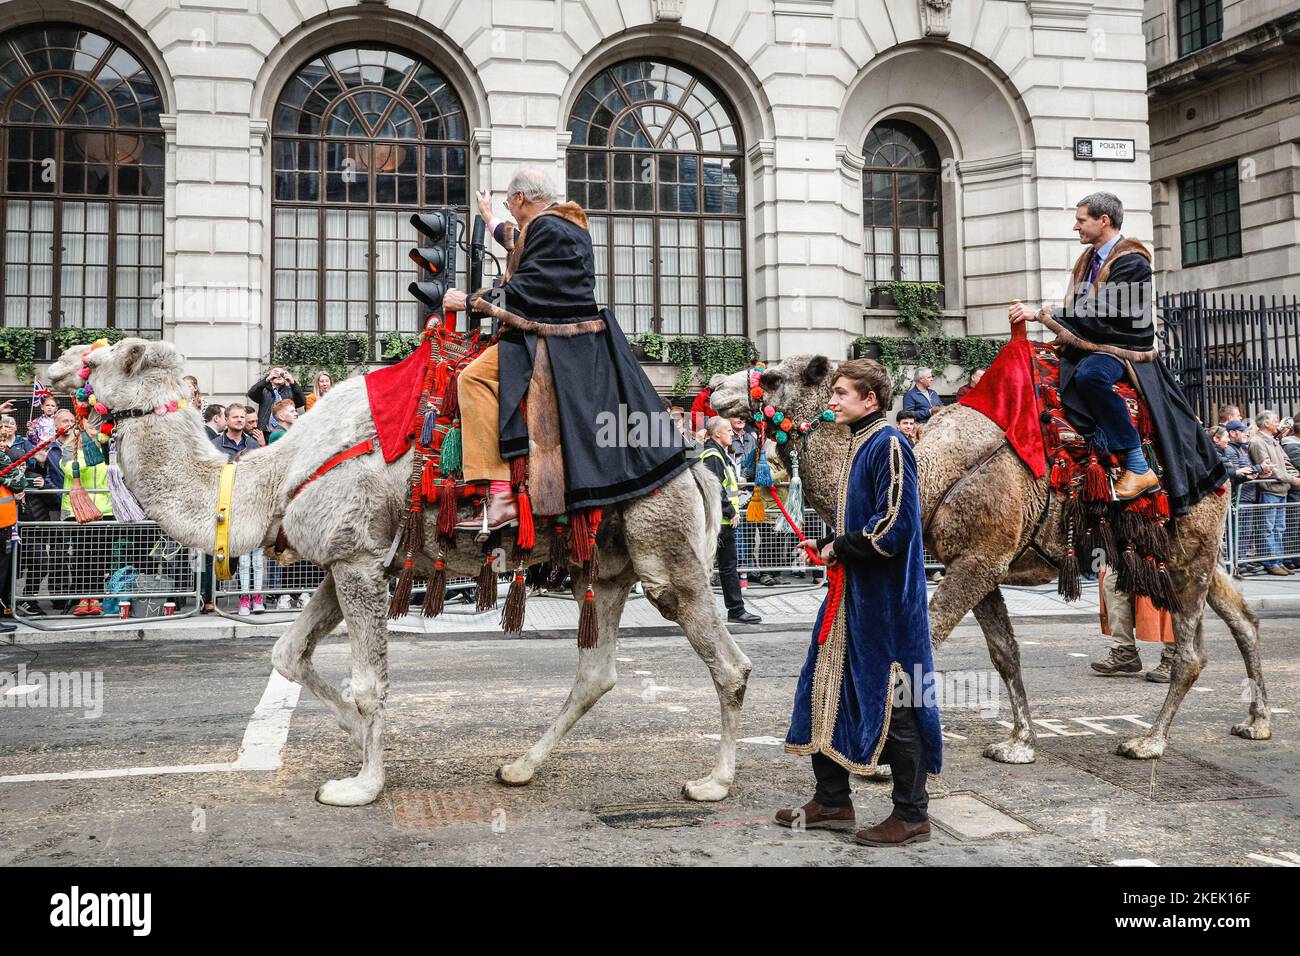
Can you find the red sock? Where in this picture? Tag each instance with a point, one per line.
(498, 487)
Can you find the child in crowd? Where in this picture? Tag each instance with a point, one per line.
(41, 428)
(284, 412)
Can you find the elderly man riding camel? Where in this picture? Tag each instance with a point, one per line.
(560, 374)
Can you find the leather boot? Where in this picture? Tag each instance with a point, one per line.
(894, 831)
(817, 817)
(1161, 673)
(500, 510)
(1131, 485)
(1122, 662)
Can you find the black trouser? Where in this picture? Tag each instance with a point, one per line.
(728, 576)
(904, 752)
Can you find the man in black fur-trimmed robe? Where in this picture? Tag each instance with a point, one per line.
(561, 385)
(1107, 332)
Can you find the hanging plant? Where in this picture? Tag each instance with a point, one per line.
(919, 304)
(68, 336)
(698, 357)
(305, 355)
(976, 352)
(19, 346)
(395, 346)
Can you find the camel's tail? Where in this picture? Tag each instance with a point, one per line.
(711, 492)
(1229, 604)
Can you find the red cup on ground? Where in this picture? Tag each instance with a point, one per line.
(169, 608)
(125, 609)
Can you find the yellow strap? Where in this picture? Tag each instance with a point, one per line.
(221, 551)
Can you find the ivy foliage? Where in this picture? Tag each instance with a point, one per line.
(306, 354)
(698, 357)
(20, 345)
(917, 304)
(395, 346)
(936, 351)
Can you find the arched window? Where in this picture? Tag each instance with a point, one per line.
(901, 212)
(656, 160)
(363, 136)
(82, 193)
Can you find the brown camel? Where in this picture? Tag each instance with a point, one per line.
(979, 534)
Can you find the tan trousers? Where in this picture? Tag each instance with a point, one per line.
(480, 422)
(1123, 622)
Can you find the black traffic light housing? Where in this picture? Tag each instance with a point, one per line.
(436, 254)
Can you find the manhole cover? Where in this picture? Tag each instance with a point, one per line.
(627, 816)
(971, 817)
(1174, 778)
(415, 809)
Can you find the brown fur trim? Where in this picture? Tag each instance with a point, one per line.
(564, 330)
(1067, 337)
(546, 479)
(1122, 248)
(569, 211)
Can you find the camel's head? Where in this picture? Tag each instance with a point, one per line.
(133, 373)
(799, 385)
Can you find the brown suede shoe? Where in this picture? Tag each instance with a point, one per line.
(894, 832)
(1131, 485)
(817, 817)
(502, 510)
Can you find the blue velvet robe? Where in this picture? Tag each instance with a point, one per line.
(879, 645)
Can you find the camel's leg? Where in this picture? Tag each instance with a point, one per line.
(966, 582)
(597, 673)
(994, 620)
(363, 593)
(1189, 658)
(293, 651)
(1230, 606)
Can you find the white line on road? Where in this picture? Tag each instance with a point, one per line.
(1274, 861)
(1137, 861)
(264, 739)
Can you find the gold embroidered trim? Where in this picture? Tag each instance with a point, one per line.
(895, 497)
(805, 750)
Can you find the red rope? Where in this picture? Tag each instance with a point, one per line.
(49, 441)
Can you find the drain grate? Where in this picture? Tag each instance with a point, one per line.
(1174, 778)
(629, 816)
(416, 809)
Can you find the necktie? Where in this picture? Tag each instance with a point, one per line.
(1094, 268)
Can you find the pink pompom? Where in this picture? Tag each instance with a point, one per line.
(769, 411)
(160, 409)
(172, 406)
(101, 408)
(84, 371)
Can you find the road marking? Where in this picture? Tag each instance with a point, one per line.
(1029, 643)
(264, 739)
(1073, 654)
(1138, 861)
(22, 689)
(643, 673)
(765, 741)
(1052, 725)
(1274, 861)
(1279, 710)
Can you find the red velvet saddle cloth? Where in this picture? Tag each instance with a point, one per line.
(1020, 393)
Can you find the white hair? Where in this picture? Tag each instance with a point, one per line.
(924, 373)
(535, 185)
(1265, 418)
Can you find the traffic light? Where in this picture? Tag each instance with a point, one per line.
(435, 254)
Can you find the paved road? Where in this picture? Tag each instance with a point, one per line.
(459, 708)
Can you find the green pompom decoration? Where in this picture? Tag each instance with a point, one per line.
(828, 415)
(781, 438)
(449, 465)
(758, 416)
(778, 418)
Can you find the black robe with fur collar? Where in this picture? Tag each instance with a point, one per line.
(572, 395)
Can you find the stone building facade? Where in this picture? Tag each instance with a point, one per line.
(1225, 144)
(752, 166)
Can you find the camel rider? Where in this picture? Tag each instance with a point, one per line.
(589, 425)
(1108, 306)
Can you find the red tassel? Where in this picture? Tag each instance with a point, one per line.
(588, 632)
(519, 470)
(1162, 506)
(527, 535)
(451, 397)
(1095, 485)
(447, 509)
(512, 615)
(435, 592)
(579, 543)
(834, 592)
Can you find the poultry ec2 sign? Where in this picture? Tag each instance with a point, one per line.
(1105, 150)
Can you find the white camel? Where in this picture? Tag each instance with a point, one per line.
(346, 520)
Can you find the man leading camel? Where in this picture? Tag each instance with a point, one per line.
(866, 692)
(1107, 331)
(567, 356)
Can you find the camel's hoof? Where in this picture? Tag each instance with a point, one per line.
(1141, 748)
(1254, 730)
(352, 792)
(1010, 751)
(512, 775)
(706, 790)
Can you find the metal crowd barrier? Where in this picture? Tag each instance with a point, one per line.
(1260, 532)
(55, 565)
